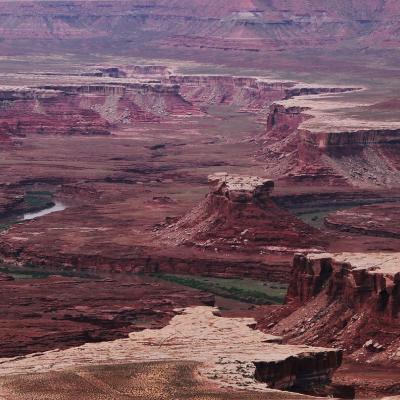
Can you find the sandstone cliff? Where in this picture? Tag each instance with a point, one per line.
(350, 300)
(364, 157)
(86, 109)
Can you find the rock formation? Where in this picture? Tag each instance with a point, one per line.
(237, 230)
(239, 214)
(363, 157)
(247, 93)
(91, 109)
(351, 300)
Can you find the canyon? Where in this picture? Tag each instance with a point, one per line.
(161, 204)
(199, 199)
(132, 212)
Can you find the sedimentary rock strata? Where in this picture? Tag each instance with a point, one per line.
(246, 93)
(373, 220)
(240, 25)
(231, 352)
(367, 156)
(308, 142)
(96, 103)
(91, 109)
(349, 299)
(239, 214)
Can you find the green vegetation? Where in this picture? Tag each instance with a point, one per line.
(34, 272)
(246, 290)
(35, 200)
(7, 223)
(316, 218)
(4, 227)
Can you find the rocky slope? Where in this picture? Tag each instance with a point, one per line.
(246, 93)
(350, 300)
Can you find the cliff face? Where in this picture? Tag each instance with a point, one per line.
(248, 94)
(353, 277)
(287, 152)
(349, 299)
(363, 157)
(91, 109)
(248, 25)
(48, 112)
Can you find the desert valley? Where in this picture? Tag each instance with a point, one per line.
(199, 199)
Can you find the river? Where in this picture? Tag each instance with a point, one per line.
(58, 206)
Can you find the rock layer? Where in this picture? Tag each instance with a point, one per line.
(240, 25)
(349, 299)
(364, 157)
(373, 220)
(231, 352)
(91, 109)
(239, 214)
